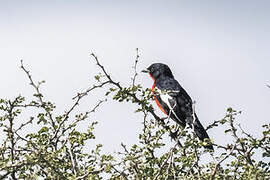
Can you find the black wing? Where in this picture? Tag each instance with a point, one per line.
(178, 105)
(174, 100)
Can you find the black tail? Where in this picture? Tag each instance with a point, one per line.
(200, 132)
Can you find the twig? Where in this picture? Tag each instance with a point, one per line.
(147, 140)
(171, 163)
(217, 165)
(105, 72)
(91, 172)
(135, 67)
(73, 162)
(75, 122)
(215, 123)
(243, 147)
(247, 153)
(80, 95)
(11, 133)
(86, 114)
(38, 95)
(24, 124)
(165, 162)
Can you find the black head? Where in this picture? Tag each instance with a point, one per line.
(158, 69)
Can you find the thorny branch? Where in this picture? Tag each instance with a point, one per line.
(215, 123)
(147, 140)
(135, 67)
(38, 95)
(218, 164)
(76, 121)
(238, 140)
(170, 155)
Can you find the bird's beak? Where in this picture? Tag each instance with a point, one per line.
(145, 71)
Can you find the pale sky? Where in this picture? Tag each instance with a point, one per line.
(217, 50)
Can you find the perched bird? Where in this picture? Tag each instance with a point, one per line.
(173, 100)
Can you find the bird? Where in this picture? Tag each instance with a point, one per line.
(173, 100)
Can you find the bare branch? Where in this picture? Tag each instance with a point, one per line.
(215, 123)
(105, 72)
(38, 95)
(135, 67)
(80, 95)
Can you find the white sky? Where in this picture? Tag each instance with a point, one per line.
(218, 51)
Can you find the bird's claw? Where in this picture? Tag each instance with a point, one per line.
(174, 134)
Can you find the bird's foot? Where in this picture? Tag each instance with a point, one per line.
(174, 134)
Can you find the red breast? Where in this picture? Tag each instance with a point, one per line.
(153, 91)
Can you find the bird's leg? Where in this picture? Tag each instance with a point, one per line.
(174, 133)
(177, 127)
(165, 122)
(169, 115)
(171, 111)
